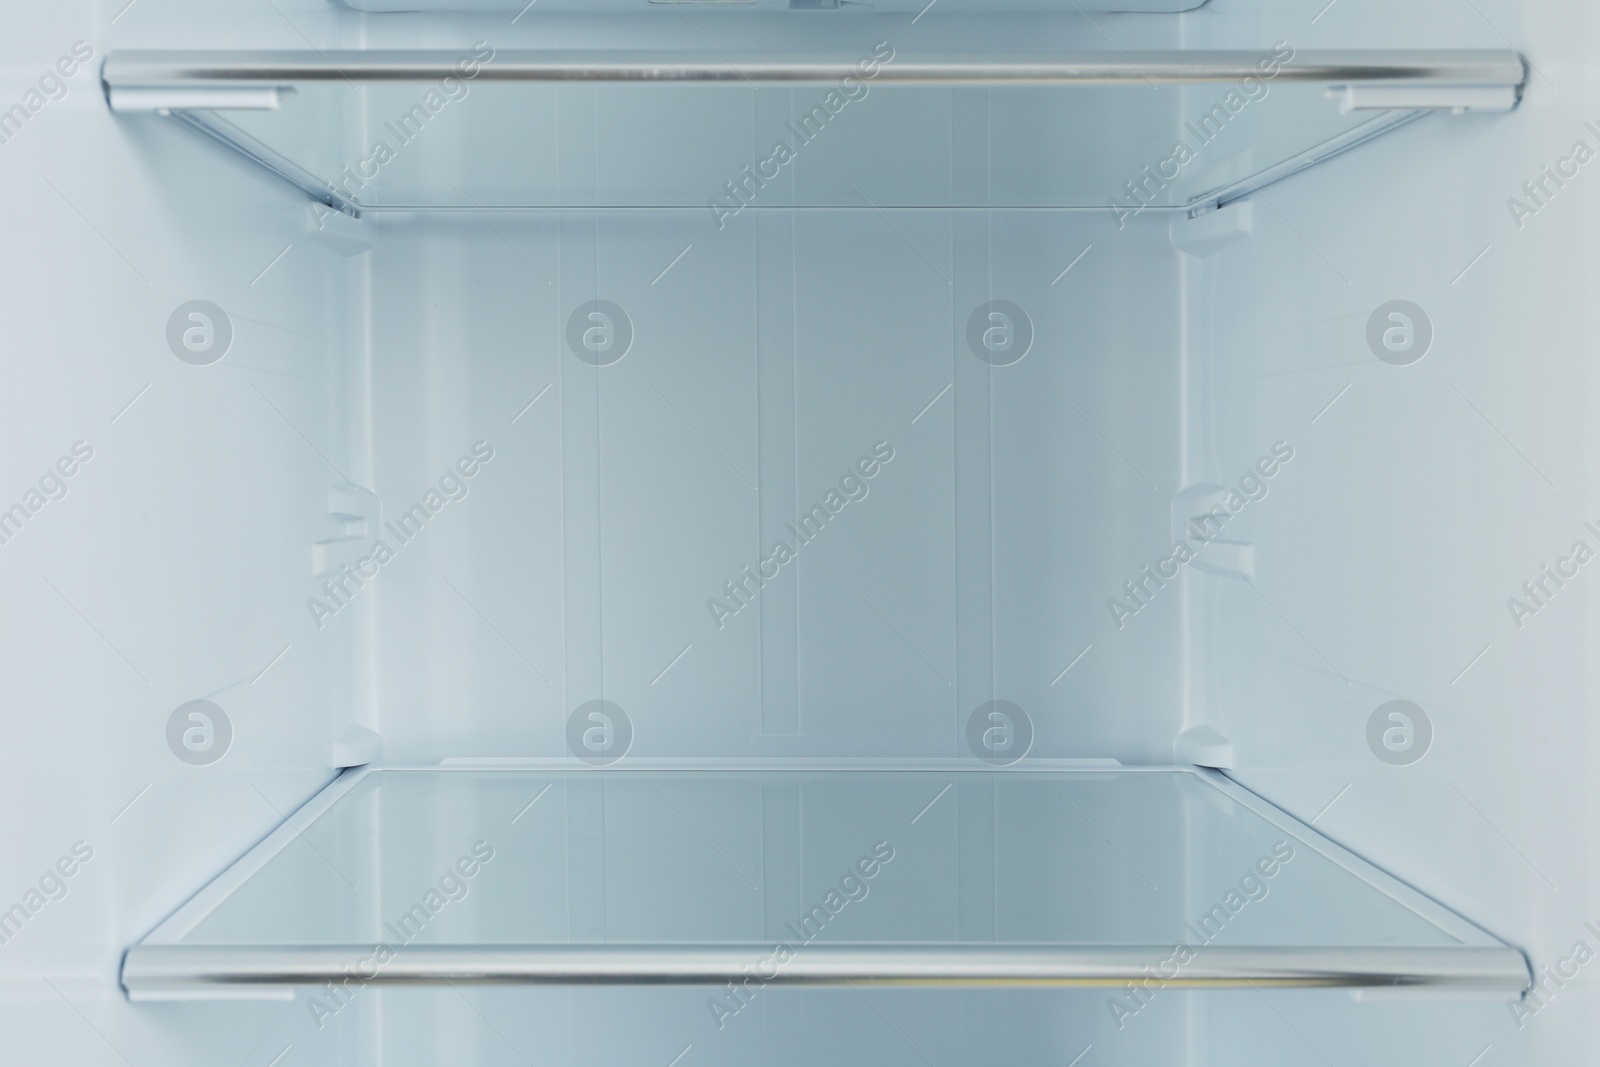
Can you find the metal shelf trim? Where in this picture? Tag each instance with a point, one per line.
(1467, 68)
(152, 970)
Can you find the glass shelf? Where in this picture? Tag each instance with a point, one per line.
(369, 131)
(1045, 874)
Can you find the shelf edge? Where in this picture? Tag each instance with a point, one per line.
(154, 972)
(1453, 67)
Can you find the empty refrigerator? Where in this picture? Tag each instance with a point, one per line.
(710, 533)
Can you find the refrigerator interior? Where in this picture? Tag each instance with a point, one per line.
(589, 553)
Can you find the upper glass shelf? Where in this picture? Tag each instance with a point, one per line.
(1045, 876)
(726, 132)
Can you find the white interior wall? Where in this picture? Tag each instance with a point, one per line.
(771, 358)
(1416, 505)
(171, 568)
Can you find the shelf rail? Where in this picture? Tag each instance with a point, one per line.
(152, 972)
(1501, 70)
(1383, 89)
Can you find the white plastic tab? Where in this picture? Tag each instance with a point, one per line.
(1227, 559)
(357, 747)
(337, 231)
(355, 511)
(196, 98)
(1203, 746)
(1200, 515)
(1455, 98)
(1411, 994)
(1206, 232)
(191, 994)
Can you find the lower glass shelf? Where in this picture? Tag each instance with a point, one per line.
(922, 874)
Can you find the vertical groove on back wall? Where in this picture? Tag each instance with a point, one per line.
(580, 470)
(972, 438)
(972, 499)
(777, 427)
(358, 333)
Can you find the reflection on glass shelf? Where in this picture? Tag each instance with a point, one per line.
(1071, 875)
(411, 131)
